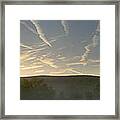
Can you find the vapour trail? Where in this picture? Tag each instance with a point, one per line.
(35, 50)
(32, 67)
(40, 33)
(33, 31)
(70, 64)
(36, 33)
(89, 47)
(57, 36)
(74, 71)
(62, 71)
(43, 44)
(29, 28)
(48, 62)
(65, 26)
(26, 46)
(39, 71)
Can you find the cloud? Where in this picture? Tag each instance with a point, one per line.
(76, 63)
(65, 26)
(30, 58)
(39, 71)
(84, 41)
(84, 57)
(31, 67)
(74, 71)
(28, 27)
(76, 57)
(94, 61)
(43, 44)
(48, 61)
(89, 47)
(61, 58)
(58, 36)
(22, 66)
(61, 48)
(59, 71)
(47, 54)
(38, 29)
(40, 33)
(35, 50)
(36, 63)
(83, 62)
(24, 56)
(25, 46)
(63, 71)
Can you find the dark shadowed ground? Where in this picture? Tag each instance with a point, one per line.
(81, 87)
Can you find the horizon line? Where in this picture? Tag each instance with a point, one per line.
(59, 75)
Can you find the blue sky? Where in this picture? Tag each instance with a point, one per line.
(59, 47)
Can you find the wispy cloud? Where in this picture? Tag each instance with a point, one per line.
(64, 71)
(31, 67)
(72, 59)
(74, 71)
(40, 33)
(89, 47)
(28, 27)
(30, 58)
(57, 36)
(39, 71)
(94, 61)
(84, 41)
(65, 26)
(35, 50)
(47, 54)
(48, 61)
(25, 46)
(61, 48)
(24, 56)
(61, 58)
(70, 64)
(84, 57)
(44, 44)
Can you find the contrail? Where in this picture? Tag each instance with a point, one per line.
(94, 61)
(26, 46)
(29, 28)
(84, 57)
(32, 67)
(74, 71)
(61, 58)
(36, 33)
(40, 33)
(39, 71)
(89, 47)
(48, 62)
(33, 31)
(57, 36)
(70, 64)
(35, 50)
(62, 71)
(30, 58)
(65, 26)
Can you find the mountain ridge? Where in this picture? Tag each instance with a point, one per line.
(60, 76)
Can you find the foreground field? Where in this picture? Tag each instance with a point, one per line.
(81, 87)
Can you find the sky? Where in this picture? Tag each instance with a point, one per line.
(59, 47)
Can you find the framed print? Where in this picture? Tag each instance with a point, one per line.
(60, 60)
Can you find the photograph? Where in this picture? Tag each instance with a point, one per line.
(59, 59)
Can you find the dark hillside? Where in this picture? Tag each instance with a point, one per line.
(80, 87)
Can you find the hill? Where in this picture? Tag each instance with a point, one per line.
(76, 87)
